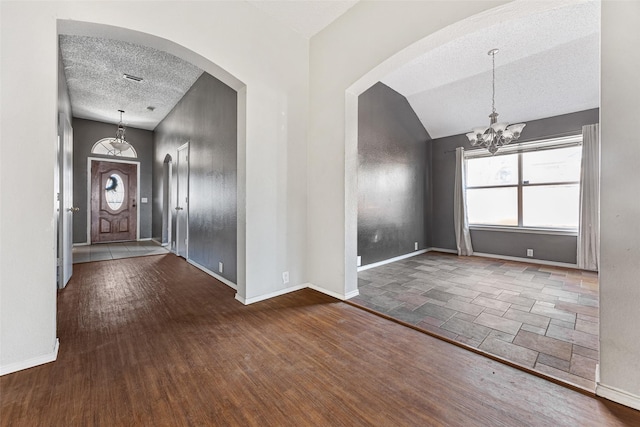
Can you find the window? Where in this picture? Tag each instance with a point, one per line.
(104, 147)
(532, 185)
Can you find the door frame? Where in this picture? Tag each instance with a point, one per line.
(167, 202)
(66, 210)
(185, 146)
(112, 160)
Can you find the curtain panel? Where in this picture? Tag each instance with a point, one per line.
(461, 222)
(589, 223)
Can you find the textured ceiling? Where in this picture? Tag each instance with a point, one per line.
(307, 17)
(548, 65)
(94, 69)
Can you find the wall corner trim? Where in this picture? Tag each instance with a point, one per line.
(247, 301)
(618, 396)
(30, 363)
(216, 276)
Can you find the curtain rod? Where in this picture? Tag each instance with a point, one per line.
(557, 135)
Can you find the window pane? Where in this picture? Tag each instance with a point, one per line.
(493, 206)
(553, 206)
(559, 165)
(114, 191)
(496, 170)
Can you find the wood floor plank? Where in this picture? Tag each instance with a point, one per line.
(155, 341)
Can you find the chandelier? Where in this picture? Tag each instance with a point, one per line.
(119, 143)
(497, 134)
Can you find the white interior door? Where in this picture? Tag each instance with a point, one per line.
(65, 229)
(182, 202)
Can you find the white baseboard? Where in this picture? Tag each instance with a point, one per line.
(390, 260)
(528, 260)
(618, 396)
(158, 242)
(446, 251)
(81, 244)
(211, 273)
(30, 363)
(247, 301)
(352, 294)
(146, 239)
(337, 295)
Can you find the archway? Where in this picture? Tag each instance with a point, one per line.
(162, 178)
(427, 44)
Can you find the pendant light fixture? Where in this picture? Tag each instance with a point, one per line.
(497, 134)
(119, 143)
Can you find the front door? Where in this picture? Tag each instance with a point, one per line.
(114, 207)
(182, 202)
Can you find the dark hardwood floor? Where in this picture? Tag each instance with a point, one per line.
(154, 341)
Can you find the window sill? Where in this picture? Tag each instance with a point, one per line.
(547, 231)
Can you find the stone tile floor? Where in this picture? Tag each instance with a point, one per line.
(107, 251)
(541, 317)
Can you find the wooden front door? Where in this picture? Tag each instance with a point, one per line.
(114, 208)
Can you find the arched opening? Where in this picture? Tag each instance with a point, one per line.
(429, 44)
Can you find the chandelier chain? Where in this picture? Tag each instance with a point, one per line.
(493, 95)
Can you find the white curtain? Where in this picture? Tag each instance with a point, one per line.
(589, 226)
(461, 222)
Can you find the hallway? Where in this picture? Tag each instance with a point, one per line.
(155, 341)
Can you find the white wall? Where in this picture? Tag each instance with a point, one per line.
(269, 59)
(620, 204)
(27, 159)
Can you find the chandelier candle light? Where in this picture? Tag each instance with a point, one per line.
(497, 134)
(119, 143)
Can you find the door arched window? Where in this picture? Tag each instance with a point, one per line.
(104, 147)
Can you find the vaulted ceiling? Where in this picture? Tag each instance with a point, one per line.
(548, 64)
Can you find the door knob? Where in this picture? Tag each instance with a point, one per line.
(178, 208)
(73, 209)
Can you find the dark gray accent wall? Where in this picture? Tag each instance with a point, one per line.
(546, 247)
(206, 117)
(85, 134)
(393, 196)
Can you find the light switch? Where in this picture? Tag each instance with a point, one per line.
(143, 200)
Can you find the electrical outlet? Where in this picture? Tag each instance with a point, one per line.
(285, 277)
(220, 267)
(415, 246)
(359, 261)
(529, 252)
